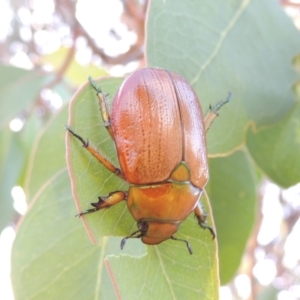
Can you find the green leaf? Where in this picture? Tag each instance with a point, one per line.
(12, 160)
(76, 73)
(29, 132)
(216, 50)
(52, 257)
(276, 149)
(232, 194)
(49, 237)
(168, 271)
(245, 47)
(90, 179)
(19, 89)
(42, 165)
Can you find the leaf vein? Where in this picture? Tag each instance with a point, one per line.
(223, 36)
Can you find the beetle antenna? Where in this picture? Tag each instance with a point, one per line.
(123, 242)
(185, 241)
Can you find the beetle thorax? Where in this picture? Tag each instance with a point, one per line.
(164, 203)
(160, 208)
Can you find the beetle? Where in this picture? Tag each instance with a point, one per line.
(159, 131)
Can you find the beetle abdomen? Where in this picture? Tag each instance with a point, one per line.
(157, 123)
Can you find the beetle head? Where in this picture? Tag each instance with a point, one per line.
(154, 232)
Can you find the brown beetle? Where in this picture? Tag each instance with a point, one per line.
(159, 131)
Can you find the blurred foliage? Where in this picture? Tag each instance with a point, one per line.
(75, 73)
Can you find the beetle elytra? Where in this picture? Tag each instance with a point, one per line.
(159, 131)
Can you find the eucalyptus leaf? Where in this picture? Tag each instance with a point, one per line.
(232, 191)
(12, 160)
(52, 257)
(47, 154)
(276, 150)
(243, 47)
(19, 89)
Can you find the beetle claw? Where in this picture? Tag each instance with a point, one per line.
(123, 241)
(205, 226)
(85, 144)
(86, 212)
(93, 84)
(220, 104)
(101, 203)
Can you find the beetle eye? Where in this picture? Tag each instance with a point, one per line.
(143, 226)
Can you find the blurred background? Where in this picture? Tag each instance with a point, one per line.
(60, 43)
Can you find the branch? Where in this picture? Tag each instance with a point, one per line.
(133, 17)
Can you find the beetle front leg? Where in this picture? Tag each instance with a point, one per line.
(96, 154)
(213, 112)
(105, 202)
(201, 216)
(103, 106)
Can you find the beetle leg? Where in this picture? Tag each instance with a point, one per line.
(213, 112)
(105, 202)
(103, 106)
(96, 154)
(123, 241)
(185, 241)
(201, 216)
